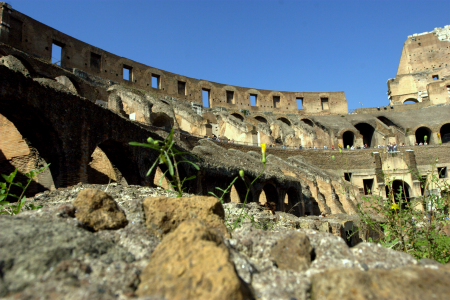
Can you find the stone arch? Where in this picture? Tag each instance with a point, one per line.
(348, 138)
(18, 64)
(312, 207)
(261, 119)
(165, 102)
(292, 202)
(285, 120)
(367, 131)
(269, 193)
(70, 84)
(39, 133)
(100, 169)
(399, 189)
(307, 122)
(161, 180)
(238, 191)
(238, 116)
(420, 134)
(119, 155)
(17, 152)
(162, 120)
(210, 117)
(410, 101)
(445, 133)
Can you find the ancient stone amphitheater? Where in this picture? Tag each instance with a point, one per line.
(80, 113)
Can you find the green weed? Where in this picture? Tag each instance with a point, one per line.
(168, 155)
(5, 191)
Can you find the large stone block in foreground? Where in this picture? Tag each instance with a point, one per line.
(192, 262)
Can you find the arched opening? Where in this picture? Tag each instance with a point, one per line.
(307, 122)
(421, 133)
(16, 152)
(445, 133)
(400, 191)
(19, 64)
(270, 195)
(101, 170)
(238, 116)
(161, 180)
(238, 191)
(348, 138)
(163, 120)
(119, 154)
(292, 203)
(312, 208)
(285, 121)
(410, 101)
(261, 119)
(68, 83)
(366, 131)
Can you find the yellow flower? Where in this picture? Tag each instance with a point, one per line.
(395, 206)
(263, 148)
(263, 151)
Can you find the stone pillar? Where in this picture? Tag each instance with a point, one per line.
(379, 173)
(5, 11)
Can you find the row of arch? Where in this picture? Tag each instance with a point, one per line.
(422, 134)
(282, 119)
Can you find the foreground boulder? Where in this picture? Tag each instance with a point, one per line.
(164, 214)
(192, 262)
(98, 210)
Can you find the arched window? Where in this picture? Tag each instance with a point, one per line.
(366, 131)
(421, 133)
(348, 138)
(286, 121)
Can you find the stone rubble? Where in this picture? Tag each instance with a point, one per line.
(50, 252)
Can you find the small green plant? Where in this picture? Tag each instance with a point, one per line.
(168, 155)
(242, 215)
(5, 191)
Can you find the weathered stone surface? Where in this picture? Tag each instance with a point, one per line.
(163, 214)
(401, 283)
(31, 250)
(192, 262)
(292, 252)
(98, 210)
(374, 256)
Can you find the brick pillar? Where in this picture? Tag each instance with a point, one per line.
(379, 174)
(410, 160)
(5, 11)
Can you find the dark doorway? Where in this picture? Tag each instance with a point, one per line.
(421, 133)
(366, 131)
(348, 137)
(445, 133)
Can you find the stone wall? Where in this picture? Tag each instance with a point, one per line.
(424, 60)
(34, 37)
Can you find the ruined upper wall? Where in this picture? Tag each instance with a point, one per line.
(36, 38)
(425, 60)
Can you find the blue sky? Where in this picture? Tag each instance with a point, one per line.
(310, 46)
